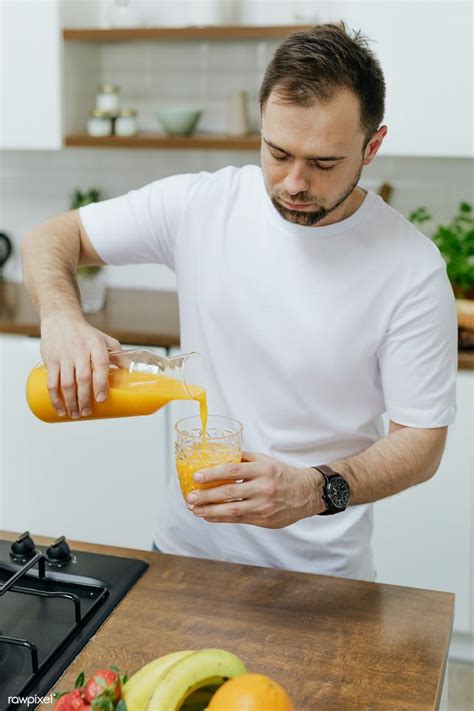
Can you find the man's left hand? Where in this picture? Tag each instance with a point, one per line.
(261, 491)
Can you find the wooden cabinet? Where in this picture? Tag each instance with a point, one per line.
(30, 81)
(94, 481)
(423, 536)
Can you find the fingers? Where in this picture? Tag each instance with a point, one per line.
(100, 374)
(54, 389)
(112, 343)
(219, 494)
(226, 471)
(68, 389)
(227, 512)
(254, 457)
(76, 356)
(83, 385)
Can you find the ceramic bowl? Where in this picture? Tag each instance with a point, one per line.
(179, 121)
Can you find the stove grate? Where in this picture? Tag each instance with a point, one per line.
(11, 585)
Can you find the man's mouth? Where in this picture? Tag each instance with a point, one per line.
(297, 205)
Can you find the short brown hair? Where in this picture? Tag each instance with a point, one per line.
(313, 64)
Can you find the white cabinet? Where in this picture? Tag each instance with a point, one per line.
(423, 536)
(426, 52)
(93, 481)
(30, 75)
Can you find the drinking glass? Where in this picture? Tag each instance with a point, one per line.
(221, 443)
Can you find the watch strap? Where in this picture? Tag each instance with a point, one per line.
(327, 472)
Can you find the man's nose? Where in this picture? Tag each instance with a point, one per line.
(297, 179)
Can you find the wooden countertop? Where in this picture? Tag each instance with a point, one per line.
(137, 316)
(332, 643)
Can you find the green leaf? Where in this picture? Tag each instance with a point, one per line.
(100, 682)
(87, 270)
(80, 199)
(420, 215)
(58, 694)
(124, 678)
(114, 668)
(455, 241)
(80, 681)
(121, 705)
(102, 703)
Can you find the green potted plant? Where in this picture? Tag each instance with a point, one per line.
(455, 241)
(90, 279)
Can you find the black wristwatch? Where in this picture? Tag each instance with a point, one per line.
(336, 491)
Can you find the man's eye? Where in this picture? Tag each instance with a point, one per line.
(323, 167)
(279, 157)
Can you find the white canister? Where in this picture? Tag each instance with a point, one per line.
(108, 98)
(126, 123)
(238, 123)
(99, 123)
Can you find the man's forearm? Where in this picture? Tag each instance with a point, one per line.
(50, 255)
(405, 457)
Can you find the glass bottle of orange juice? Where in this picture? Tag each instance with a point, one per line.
(140, 383)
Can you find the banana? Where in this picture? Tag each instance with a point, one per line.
(200, 699)
(202, 668)
(138, 690)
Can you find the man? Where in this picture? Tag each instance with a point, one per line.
(316, 305)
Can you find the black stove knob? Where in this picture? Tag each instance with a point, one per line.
(23, 548)
(59, 551)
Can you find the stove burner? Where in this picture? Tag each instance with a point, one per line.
(23, 548)
(52, 601)
(59, 552)
(3, 654)
(12, 661)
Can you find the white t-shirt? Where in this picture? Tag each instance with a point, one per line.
(311, 333)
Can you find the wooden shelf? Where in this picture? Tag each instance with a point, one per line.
(210, 32)
(160, 140)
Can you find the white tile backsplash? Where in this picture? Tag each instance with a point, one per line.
(36, 185)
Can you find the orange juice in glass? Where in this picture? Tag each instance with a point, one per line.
(195, 449)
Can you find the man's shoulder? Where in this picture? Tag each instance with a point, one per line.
(231, 177)
(404, 238)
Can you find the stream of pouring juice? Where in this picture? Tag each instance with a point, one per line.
(129, 394)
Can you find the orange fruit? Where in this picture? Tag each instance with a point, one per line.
(251, 692)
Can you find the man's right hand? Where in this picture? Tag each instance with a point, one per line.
(76, 356)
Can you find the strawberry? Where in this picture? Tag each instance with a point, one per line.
(104, 683)
(73, 701)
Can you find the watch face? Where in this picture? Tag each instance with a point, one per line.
(338, 491)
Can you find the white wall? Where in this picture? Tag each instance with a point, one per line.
(83, 13)
(37, 185)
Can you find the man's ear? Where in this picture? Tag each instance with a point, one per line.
(374, 144)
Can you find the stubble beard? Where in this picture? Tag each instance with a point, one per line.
(311, 218)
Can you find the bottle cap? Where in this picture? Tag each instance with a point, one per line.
(100, 113)
(109, 89)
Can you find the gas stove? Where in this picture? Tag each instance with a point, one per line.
(52, 600)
